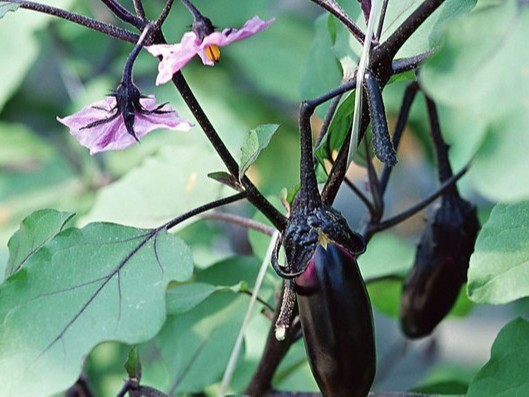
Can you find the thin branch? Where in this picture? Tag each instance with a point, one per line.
(441, 148)
(124, 14)
(260, 300)
(335, 9)
(203, 208)
(273, 354)
(389, 48)
(406, 64)
(447, 185)
(361, 196)
(374, 185)
(328, 119)
(165, 13)
(407, 101)
(90, 23)
(140, 11)
(381, 20)
(241, 221)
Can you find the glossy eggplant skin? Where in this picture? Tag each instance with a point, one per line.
(440, 268)
(337, 323)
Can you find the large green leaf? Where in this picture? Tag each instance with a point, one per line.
(186, 297)
(322, 71)
(464, 76)
(86, 286)
(197, 339)
(256, 141)
(500, 263)
(35, 231)
(164, 186)
(428, 34)
(505, 374)
(386, 254)
(499, 170)
(464, 72)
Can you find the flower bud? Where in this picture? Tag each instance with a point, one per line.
(440, 267)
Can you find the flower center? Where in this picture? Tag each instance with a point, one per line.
(213, 53)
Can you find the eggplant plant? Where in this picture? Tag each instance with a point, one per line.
(145, 280)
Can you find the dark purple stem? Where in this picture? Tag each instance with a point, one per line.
(90, 23)
(335, 9)
(124, 14)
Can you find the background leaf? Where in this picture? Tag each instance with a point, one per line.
(257, 140)
(103, 282)
(500, 262)
(162, 187)
(505, 374)
(463, 75)
(35, 231)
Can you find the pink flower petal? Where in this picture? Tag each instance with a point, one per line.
(175, 56)
(113, 135)
(228, 36)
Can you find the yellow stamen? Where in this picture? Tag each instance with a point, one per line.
(213, 53)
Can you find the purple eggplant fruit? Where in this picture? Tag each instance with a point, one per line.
(337, 322)
(440, 268)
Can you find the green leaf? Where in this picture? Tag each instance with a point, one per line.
(257, 140)
(505, 374)
(133, 364)
(322, 71)
(183, 298)
(465, 70)
(226, 179)
(338, 129)
(500, 262)
(428, 35)
(164, 186)
(195, 345)
(5, 7)
(464, 76)
(386, 254)
(499, 170)
(86, 286)
(35, 231)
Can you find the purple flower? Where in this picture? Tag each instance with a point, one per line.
(107, 125)
(175, 56)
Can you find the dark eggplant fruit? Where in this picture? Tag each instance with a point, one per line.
(440, 268)
(335, 311)
(334, 307)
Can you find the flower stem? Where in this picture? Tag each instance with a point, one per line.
(203, 208)
(127, 71)
(163, 16)
(124, 14)
(90, 23)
